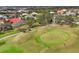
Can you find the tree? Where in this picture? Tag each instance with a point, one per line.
(30, 22)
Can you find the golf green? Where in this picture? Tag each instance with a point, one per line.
(54, 37)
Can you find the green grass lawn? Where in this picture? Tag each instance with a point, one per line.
(43, 39)
(53, 37)
(10, 48)
(8, 33)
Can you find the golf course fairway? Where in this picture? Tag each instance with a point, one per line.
(41, 39)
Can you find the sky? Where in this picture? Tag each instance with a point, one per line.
(39, 2)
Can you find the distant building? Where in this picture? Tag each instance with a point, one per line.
(16, 22)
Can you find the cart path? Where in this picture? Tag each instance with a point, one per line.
(13, 35)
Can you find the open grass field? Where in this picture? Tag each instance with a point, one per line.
(44, 39)
(8, 33)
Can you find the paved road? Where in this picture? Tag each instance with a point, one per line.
(13, 35)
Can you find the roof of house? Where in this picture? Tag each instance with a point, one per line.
(15, 20)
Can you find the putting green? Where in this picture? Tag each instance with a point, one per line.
(54, 37)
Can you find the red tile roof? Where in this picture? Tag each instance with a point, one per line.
(15, 20)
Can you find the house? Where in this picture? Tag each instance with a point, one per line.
(16, 22)
(61, 11)
(4, 25)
